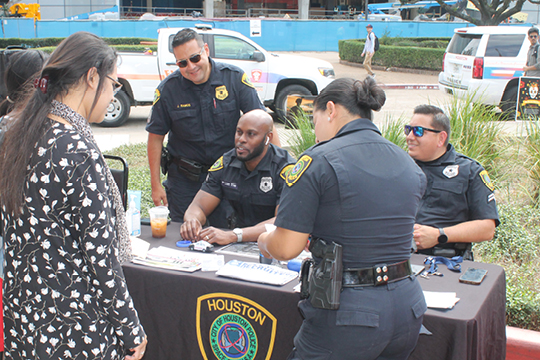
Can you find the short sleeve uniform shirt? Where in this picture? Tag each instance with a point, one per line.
(201, 119)
(253, 195)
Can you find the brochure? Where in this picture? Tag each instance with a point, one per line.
(167, 258)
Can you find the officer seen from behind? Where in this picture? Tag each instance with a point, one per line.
(357, 194)
(198, 106)
(459, 206)
(250, 176)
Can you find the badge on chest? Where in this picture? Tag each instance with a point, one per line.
(451, 171)
(266, 184)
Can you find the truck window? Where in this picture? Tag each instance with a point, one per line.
(504, 45)
(464, 44)
(226, 47)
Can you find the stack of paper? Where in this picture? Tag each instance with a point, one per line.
(260, 273)
(167, 258)
(440, 300)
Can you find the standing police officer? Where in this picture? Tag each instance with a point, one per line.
(199, 106)
(250, 176)
(357, 192)
(459, 206)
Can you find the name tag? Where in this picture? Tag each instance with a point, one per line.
(229, 184)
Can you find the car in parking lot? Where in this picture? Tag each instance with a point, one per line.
(485, 62)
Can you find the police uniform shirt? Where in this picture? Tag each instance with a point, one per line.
(253, 195)
(359, 190)
(201, 119)
(458, 190)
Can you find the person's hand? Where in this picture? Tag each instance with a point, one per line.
(217, 236)
(425, 237)
(191, 229)
(138, 352)
(159, 196)
(362, 54)
(261, 241)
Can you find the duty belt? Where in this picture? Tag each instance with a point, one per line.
(377, 275)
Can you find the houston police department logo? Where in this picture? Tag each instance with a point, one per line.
(230, 326)
(296, 172)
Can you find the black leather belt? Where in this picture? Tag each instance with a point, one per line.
(377, 275)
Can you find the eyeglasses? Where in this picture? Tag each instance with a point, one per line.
(116, 85)
(418, 131)
(533, 36)
(193, 59)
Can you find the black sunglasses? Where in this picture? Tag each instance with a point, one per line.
(533, 36)
(116, 85)
(418, 131)
(193, 59)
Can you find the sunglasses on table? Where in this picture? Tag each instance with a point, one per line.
(193, 59)
(116, 85)
(418, 131)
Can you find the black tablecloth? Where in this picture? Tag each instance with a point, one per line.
(202, 316)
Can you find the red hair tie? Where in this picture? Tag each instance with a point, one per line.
(42, 83)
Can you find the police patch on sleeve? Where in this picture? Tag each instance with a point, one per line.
(221, 92)
(246, 81)
(285, 171)
(486, 180)
(296, 172)
(157, 95)
(218, 165)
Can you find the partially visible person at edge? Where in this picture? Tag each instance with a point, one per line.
(65, 295)
(198, 106)
(250, 176)
(459, 205)
(22, 67)
(532, 68)
(369, 50)
(356, 189)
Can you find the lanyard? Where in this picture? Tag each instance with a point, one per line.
(453, 264)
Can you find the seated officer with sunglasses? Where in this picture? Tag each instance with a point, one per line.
(458, 207)
(198, 106)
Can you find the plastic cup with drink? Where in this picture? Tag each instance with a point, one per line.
(158, 221)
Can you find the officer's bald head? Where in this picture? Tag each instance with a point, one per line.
(258, 119)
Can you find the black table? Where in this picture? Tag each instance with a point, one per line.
(202, 316)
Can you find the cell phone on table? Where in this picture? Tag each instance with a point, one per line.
(473, 276)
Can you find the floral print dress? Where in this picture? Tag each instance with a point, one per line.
(65, 296)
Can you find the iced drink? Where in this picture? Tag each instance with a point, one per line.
(158, 221)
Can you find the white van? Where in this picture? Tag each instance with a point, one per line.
(486, 62)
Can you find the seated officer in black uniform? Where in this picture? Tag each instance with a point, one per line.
(356, 191)
(198, 106)
(250, 177)
(459, 206)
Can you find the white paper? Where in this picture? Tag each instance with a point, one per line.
(269, 227)
(440, 300)
(260, 273)
(172, 259)
(139, 247)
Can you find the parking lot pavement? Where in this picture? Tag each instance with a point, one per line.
(399, 104)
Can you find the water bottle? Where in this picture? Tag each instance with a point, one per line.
(133, 218)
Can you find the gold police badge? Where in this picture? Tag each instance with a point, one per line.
(221, 92)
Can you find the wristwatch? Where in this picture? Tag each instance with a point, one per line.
(442, 237)
(238, 232)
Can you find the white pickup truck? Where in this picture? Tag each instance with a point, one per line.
(274, 76)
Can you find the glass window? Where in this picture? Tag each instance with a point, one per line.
(464, 44)
(504, 45)
(226, 47)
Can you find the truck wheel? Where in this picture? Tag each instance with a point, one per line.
(509, 104)
(281, 100)
(118, 111)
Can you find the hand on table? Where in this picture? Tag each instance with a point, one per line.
(217, 236)
(261, 241)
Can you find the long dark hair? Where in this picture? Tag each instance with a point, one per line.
(66, 69)
(358, 97)
(21, 71)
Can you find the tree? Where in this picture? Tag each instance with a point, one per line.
(492, 12)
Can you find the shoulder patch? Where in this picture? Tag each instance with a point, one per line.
(486, 180)
(285, 171)
(296, 172)
(157, 95)
(218, 165)
(246, 81)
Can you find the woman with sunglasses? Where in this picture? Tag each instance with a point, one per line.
(356, 191)
(65, 295)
